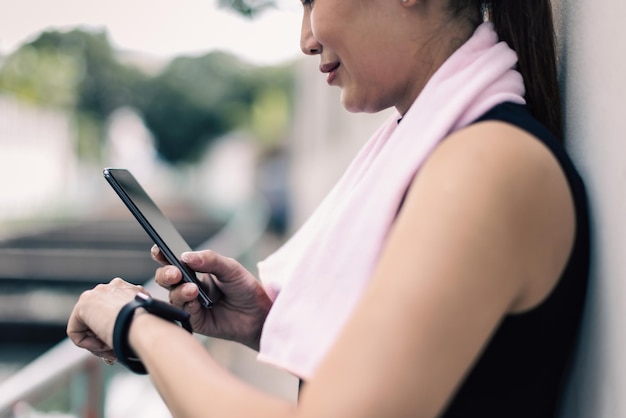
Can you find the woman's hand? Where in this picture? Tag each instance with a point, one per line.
(238, 316)
(91, 323)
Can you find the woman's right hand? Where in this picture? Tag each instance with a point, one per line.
(239, 315)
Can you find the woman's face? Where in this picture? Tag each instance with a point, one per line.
(377, 51)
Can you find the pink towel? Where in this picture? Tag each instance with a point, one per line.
(322, 270)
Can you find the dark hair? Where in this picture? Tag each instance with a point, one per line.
(527, 27)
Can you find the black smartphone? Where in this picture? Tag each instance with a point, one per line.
(159, 228)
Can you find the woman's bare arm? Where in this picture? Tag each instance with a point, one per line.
(486, 230)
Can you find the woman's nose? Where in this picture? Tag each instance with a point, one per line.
(308, 43)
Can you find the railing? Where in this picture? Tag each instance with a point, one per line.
(79, 376)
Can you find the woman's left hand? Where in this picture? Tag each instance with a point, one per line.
(91, 323)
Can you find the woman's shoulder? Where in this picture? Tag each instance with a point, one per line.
(513, 119)
(519, 116)
(501, 143)
(508, 132)
(500, 169)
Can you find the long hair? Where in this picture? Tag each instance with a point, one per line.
(527, 27)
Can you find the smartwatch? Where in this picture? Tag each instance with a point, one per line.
(121, 348)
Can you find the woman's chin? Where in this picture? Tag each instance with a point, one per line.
(355, 105)
(354, 101)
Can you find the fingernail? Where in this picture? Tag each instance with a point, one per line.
(187, 257)
(154, 250)
(189, 290)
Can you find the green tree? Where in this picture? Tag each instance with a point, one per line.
(76, 71)
(42, 77)
(195, 100)
(248, 8)
(189, 104)
(103, 83)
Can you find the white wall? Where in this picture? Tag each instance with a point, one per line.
(593, 53)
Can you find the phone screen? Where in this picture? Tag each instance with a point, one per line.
(159, 228)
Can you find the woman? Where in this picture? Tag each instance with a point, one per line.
(445, 273)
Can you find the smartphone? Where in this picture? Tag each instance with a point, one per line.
(160, 229)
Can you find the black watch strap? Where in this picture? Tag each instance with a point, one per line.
(121, 347)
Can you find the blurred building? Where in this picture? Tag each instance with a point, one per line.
(38, 169)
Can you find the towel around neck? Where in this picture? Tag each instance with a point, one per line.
(321, 272)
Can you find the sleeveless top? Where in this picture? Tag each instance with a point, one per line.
(522, 370)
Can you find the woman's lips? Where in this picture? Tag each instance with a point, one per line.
(330, 69)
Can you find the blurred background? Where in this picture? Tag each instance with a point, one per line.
(211, 107)
(237, 139)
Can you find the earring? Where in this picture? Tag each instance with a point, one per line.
(485, 11)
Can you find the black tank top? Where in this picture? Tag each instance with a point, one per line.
(521, 372)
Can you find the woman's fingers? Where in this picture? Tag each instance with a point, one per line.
(91, 322)
(184, 295)
(168, 277)
(157, 255)
(82, 336)
(207, 261)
